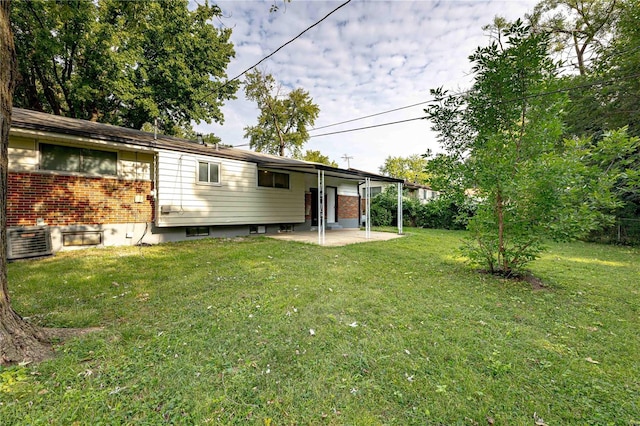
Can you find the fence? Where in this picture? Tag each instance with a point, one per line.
(625, 231)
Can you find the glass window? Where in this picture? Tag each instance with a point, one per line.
(208, 172)
(270, 179)
(78, 160)
(197, 231)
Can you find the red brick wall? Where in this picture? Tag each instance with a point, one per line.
(307, 206)
(76, 200)
(348, 207)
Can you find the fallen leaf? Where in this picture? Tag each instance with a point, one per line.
(592, 361)
(312, 332)
(353, 324)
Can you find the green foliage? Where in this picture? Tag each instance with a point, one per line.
(439, 213)
(577, 28)
(503, 142)
(122, 62)
(317, 157)
(283, 120)
(606, 97)
(411, 168)
(216, 331)
(445, 213)
(384, 208)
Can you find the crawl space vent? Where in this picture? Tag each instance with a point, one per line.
(28, 242)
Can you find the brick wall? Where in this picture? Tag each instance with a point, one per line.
(348, 207)
(307, 206)
(76, 200)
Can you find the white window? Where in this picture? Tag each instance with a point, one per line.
(208, 172)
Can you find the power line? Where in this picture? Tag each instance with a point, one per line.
(531, 96)
(451, 96)
(368, 127)
(284, 45)
(372, 115)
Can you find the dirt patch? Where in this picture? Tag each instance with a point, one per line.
(536, 283)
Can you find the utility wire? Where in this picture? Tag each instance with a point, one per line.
(368, 127)
(372, 115)
(631, 50)
(285, 44)
(531, 96)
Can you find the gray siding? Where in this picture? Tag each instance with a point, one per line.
(236, 200)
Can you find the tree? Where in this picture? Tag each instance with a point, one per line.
(19, 341)
(502, 142)
(580, 26)
(284, 118)
(619, 63)
(411, 168)
(317, 157)
(122, 62)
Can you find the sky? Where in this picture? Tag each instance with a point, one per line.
(366, 58)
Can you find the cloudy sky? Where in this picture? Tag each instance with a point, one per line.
(368, 57)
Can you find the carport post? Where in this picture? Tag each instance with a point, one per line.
(321, 226)
(399, 208)
(367, 208)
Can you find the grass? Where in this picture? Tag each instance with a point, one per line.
(219, 331)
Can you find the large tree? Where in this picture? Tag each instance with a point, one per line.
(503, 143)
(317, 157)
(284, 117)
(578, 28)
(122, 62)
(411, 168)
(19, 341)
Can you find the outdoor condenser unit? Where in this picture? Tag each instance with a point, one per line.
(28, 242)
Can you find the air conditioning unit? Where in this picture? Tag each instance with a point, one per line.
(28, 242)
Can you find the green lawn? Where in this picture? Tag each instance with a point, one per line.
(271, 332)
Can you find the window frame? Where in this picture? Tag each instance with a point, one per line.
(82, 152)
(274, 174)
(197, 231)
(218, 164)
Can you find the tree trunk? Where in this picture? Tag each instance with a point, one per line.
(502, 258)
(19, 340)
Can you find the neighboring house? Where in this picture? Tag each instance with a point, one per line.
(412, 190)
(92, 184)
(420, 192)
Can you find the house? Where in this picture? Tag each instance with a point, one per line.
(420, 192)
(78, 183)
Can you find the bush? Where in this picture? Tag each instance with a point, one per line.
(439, 213)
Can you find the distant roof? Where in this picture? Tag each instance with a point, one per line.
(415, 185)
(40, 121)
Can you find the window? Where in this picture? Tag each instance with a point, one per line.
(270, 179)
(208, 172)
(197, 231)
(78, 160)
(375, 190)
(81, 239)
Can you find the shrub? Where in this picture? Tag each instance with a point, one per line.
(438, 213)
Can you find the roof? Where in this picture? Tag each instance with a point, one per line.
(40, 121)
(415, 185)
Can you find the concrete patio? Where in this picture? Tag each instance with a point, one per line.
(336, 237)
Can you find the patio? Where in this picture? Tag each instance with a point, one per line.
(337, 237)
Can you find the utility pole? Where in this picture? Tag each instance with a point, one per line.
(347, 159)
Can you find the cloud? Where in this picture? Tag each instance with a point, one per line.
(368, 57)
